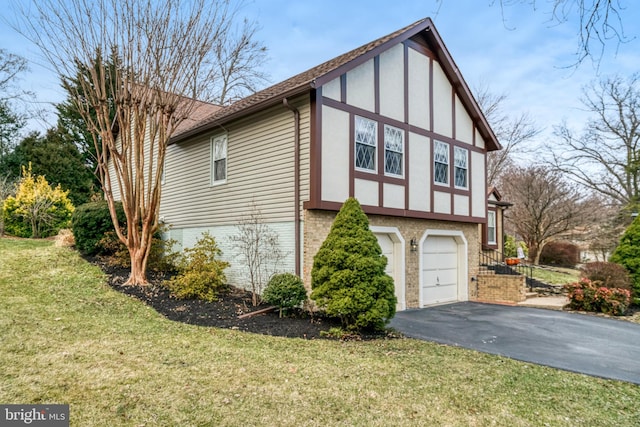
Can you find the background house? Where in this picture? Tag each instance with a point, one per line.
(391, 123)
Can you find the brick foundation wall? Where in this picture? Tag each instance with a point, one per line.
(501, 288)
(318, 223)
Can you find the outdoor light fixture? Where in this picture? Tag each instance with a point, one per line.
(414, 245)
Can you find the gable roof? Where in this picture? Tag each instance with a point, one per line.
(327, 71)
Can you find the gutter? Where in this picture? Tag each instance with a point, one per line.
(296, 184)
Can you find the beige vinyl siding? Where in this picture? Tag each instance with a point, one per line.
(260, 168)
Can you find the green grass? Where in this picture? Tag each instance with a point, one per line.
(66, 337)
(556, 275)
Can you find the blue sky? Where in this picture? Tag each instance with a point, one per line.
(516, 50)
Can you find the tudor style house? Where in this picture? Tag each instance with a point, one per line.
(391, 123)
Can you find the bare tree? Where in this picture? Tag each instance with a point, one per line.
(606, 156)
(163, 51)
(544, 206)
(599, 22)
(513, 131)
(7, 188)
(258, 247)
(236, 60)
(11, 121)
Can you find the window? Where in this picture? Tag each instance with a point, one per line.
(460, 159)
(366, 137)
(393, 149)
(491, 228)
(219, 160)
(441, 162)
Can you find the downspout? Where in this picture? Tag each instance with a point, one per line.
(296, 183)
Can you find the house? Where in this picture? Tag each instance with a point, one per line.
(492, 230)
(392, 123)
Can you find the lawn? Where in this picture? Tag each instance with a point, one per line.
(66, 337)
(556, 275)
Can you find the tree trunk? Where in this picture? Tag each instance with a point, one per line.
(138, 275)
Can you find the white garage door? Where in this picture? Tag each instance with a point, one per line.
(388, 249)
(439, 270)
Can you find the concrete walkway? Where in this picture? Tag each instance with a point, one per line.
(591, 345)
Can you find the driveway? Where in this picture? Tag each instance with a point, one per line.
(591, 345)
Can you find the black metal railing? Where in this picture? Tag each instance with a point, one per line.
(496, 261)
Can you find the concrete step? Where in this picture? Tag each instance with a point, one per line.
(530, 295)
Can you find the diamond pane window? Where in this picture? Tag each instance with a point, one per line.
(219, 159)
(365, 138)
(441, 162)
(460, 158)
(393, 149)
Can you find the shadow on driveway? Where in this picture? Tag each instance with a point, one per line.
(586, 344)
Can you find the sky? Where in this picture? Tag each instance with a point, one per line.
(515, 50)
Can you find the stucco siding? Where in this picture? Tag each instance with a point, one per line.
(332, 89)
(392, 83)
(335, 155)
(478, 186)
(418, 89)
(360, 86)
(419, 173)
(442, 98)
(464, 125)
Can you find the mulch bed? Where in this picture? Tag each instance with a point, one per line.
(222, 313)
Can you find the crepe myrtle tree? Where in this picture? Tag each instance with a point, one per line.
(348, 278)
(143, 63)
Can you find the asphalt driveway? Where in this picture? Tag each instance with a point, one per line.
(591, 345)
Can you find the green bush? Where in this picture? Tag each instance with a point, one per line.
(592, 296)
(38, 209)
(348, 277)
(200, 272)
(562, 254)
(610, 274)
(90, 223)
(510, 248)
(285, 290)
(627, 254)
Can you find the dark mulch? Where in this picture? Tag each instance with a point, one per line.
(222, 313)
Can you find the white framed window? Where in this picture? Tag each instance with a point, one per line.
(461, 167)
(219, 160)
(441, 162)
(491, 228)
(366, 138)
(393, 150)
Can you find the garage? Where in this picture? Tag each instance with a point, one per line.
(440, 270)
(391, 245)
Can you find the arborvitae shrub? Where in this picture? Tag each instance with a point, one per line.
(562, 254)
(90, 223)
(609, 274)
(201, 272)
(348, 277)
(627, 254)
(285, 290)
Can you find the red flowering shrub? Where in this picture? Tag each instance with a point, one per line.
(591, 296)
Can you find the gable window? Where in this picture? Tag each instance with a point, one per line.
(393, 150)
(461, 169)
(365, 138)
(491, 228)
(441, 162)
(219, 160)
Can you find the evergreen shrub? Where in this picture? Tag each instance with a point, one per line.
(627, 254)
(285, 290)
(562, 254)
(348, 278)
(90, 223)
(200, 272)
